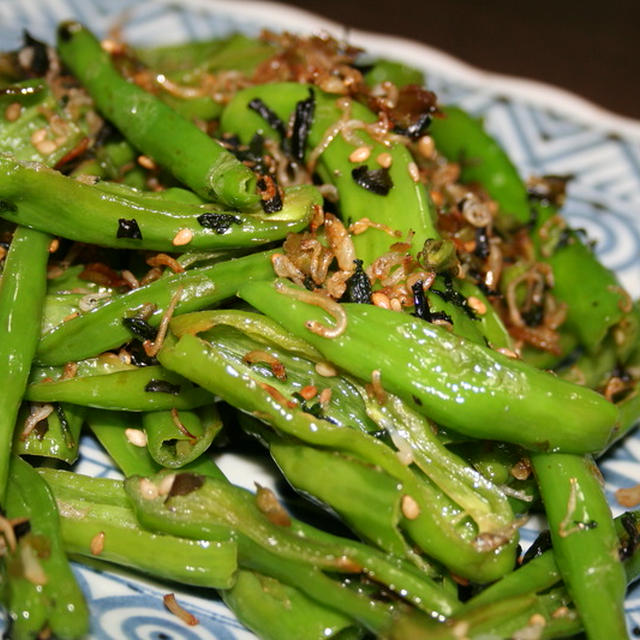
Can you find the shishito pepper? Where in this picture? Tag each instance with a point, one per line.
(22, 292)
(434, 522)
(201, 507)
(50, 596)
(461, 385)
(97, 511)
(130, 219)
(104, 328)
(405, 205)
(153, 127)
(585, 543)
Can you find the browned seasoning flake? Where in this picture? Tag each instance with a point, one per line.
(175, 417)
(270, 506)
(172, 605)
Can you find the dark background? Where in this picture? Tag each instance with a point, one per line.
(590, 48)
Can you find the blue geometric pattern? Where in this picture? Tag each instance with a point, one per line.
(603, 197)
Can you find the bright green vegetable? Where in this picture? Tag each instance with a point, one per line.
(155, 129)
(461, 385)
(22, 290)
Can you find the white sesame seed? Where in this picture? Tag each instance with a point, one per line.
(537, 620)
(385, 159)
(410, 508)
(360, 154)
(414, 172)
(507, 352)
(426, 147)
(54, 245)
(477, 305)
(96, 545)
(13, 111)
(380, 299)
(147, 162)
(136, 437)
(38, 136)
(325, 369)
(396, 305)
(165, 484)
(46, 147)
(325, 397)
(148, 489)
(184, 236)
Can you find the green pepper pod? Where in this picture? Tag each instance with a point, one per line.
(433, 526)
(22, 292)
(585, 543)
(153, 127)
(367, 499)
(277, 611)
(144, 389)
(125, 543)
(68, 617)
(460, 385)
(135, 221)
(103, 328)
(405, 207)
(174, 446)
(61, 439)
(204, 506)
(132, 457)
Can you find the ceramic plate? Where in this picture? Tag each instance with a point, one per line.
(544, 129)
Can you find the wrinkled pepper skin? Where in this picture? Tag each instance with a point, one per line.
(461, 385)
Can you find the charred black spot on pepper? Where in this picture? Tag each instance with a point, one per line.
(64, 425)
(162, 386)
(441, 315)
(251, 154)
(541, 544)
(6, 206)
(315, 409)
(140, 328)
(22, 528)
(219, 222)
(358, 286)
(302, 121)
(631, 539)
(139, 357)
(269, 116)
(39, 59)
(185, 483)
(377, 181)
(417, 400)
(128, 229)
(67, 29)
(40, 430)
(482, 243)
